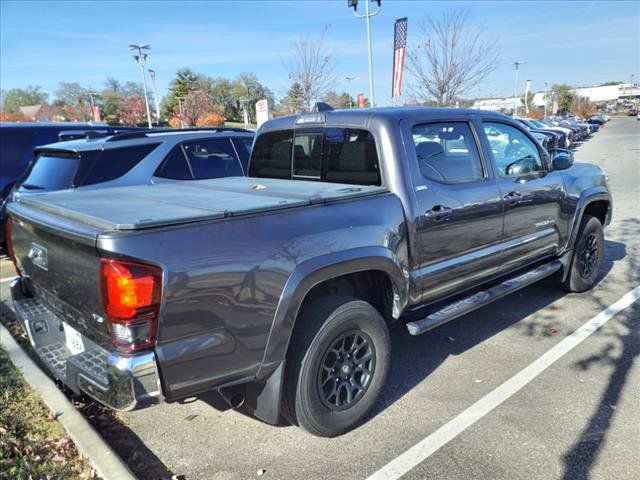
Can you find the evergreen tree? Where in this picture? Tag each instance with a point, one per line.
(294, 101)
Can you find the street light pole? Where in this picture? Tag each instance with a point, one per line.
(152, 74)
(348, 79)
(367, 16)
(546, 89)
(141, 58)
(515, 88)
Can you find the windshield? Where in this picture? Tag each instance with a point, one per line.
(51, 172)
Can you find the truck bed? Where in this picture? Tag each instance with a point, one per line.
(146, 206)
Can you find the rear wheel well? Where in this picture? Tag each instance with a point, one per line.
(598, 209)
(372, 286)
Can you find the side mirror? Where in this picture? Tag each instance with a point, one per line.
(561, 158)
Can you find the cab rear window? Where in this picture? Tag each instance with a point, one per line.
(335, 155)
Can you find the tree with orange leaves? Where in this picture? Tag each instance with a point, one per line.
(210, 119)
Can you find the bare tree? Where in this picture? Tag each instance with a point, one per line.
(311, 66)
(451, 58)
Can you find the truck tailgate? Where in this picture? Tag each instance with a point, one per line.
(63, 269)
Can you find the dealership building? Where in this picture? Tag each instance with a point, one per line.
(602, 96)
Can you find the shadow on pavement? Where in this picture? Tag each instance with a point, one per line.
(415, 358)
(620, 352)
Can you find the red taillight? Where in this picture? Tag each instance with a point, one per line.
(131, 296)
(12, 255)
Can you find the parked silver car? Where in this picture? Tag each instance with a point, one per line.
(145, 157)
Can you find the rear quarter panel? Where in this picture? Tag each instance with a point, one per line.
(223, 280)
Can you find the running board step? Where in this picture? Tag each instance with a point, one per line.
(482, 298)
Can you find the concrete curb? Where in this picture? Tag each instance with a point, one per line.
(90, 444)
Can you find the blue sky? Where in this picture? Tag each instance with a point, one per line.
(43, 43)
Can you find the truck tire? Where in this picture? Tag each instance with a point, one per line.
(588, 253)
(337, 365)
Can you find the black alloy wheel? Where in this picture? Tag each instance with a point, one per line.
(337, 364)
(588, 254)
(588, 257)
(346, 370)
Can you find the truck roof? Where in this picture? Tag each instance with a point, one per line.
(363, 117)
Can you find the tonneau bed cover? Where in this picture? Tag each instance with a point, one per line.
(146, 206)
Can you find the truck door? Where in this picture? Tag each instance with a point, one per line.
(459, 209)
(532, 195)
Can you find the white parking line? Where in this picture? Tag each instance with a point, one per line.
(3, 280)
(426, 447)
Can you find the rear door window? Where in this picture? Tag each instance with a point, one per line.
(447, 152)
(247, 142)
(243, 147)
(175, 166)
(213, 158)
(113, 163)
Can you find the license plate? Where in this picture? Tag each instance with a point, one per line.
(73, 339)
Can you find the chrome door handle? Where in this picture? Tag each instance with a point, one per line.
(438, 213)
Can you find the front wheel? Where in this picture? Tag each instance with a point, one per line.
(588, 254)
(337, 365)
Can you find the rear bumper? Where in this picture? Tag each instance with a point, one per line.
(119, 381)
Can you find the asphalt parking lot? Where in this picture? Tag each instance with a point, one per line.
(577, 419)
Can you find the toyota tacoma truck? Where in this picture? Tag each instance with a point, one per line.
(278, 289)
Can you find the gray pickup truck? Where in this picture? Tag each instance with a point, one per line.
(278, 289)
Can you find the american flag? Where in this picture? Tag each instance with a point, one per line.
(399, 47)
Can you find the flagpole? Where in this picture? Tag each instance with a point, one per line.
(367, 16)
(155, 94)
